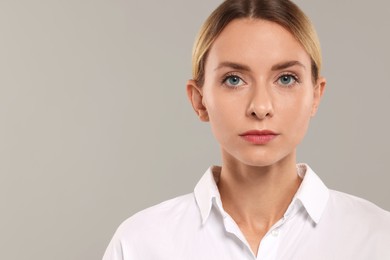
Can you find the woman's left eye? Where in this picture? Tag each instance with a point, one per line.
(287, 80)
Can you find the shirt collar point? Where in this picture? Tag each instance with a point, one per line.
(204, 193)
(313, 194)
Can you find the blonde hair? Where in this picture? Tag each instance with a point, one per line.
(283, 12)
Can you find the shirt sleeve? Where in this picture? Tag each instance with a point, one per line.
(114, 250)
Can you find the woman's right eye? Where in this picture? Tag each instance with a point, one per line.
(233, 81)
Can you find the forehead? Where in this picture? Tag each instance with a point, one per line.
(256, 42)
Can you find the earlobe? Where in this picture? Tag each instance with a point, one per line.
(318, 93)
(195, 96)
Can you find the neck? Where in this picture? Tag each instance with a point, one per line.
(257, 197)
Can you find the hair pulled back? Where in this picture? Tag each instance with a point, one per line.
(283, 12)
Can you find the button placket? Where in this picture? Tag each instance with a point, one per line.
(275, 232)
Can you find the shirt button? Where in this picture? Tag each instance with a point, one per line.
(275, 232)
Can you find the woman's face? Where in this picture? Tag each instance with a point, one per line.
(257, 78)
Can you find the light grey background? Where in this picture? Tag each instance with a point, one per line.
(95, 123)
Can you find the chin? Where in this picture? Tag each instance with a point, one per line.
(259, 163)
(263, 159)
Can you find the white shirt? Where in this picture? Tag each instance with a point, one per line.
(318, 224)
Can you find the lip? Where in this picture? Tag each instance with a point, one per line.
(259, 136)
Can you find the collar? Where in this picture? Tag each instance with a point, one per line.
(312, 193)
(206, 191)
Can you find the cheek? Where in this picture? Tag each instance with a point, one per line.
(218, 104)
(300, 114)
(224, 113)
(221, 111)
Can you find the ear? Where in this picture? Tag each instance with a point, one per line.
(319, 89)
(195, 95)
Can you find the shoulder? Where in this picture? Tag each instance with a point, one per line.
(360, 222)
(147, 233)
(159, 217)
(351, 204)
(360, 214)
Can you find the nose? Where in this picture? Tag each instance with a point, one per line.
(260, 105)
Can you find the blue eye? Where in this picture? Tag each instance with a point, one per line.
(233, 81)
(287, 80)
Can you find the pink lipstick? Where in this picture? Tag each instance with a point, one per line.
(259, 137)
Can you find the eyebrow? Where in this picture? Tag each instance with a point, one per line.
(287, 64)
(233, 65)
(242, 67)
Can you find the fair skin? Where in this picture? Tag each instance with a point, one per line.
(257, 77)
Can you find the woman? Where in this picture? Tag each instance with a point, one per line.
(256, 80)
